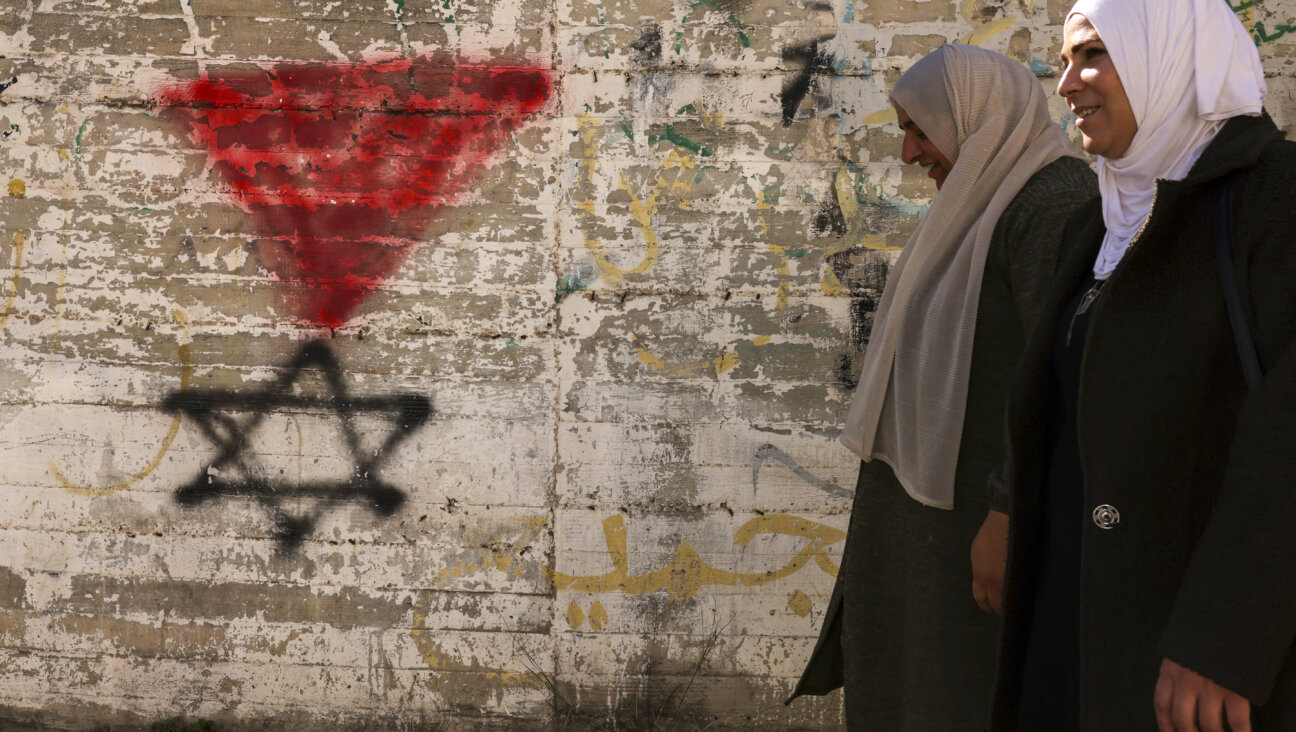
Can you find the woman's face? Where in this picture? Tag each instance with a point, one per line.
(1093, 90)
(919, 149)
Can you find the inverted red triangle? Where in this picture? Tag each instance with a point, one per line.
(342, 165)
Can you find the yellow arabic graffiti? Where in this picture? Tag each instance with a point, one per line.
(186, 373)
(496, 550)
(855, 236)
(18, 240)
(983, 31)
(688, 572)
(440, 660)
(784, 269)
(640, 209)
(678, 175)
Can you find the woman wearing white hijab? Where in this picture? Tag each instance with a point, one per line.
(912, 648)
(1152, 566)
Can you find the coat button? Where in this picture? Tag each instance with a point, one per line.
(1106, 517)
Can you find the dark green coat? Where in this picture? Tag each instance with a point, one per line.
(1201, 567)
(1020, 264)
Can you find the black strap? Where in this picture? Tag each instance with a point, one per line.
(1228, 279)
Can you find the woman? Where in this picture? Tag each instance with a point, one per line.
(1152, 570)
(914, 651)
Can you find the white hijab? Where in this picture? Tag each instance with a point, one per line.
(989, 115)
(1187, 66)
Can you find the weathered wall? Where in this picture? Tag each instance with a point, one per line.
(625, 504)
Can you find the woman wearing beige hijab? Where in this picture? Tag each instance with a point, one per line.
(1152, 571)
(903, 635)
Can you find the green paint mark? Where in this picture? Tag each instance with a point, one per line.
(1279, 31)
(772, 192)
(780, 152)
(686, 109)
(679, 40)
(675, 138)
(568, 286)
(733, 18)
(76, 151)
(796, 253)
(573, 283)
(628, 132)
(742, 37)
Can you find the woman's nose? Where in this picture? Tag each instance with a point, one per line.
(910, 151)
(1070, 81)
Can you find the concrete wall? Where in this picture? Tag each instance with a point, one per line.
(564, 456)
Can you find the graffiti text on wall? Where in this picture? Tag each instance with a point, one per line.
(1260, 32)
(688, 572)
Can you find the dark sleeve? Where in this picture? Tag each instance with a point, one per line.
(1234, 620)
(1033, 233)
(1029, 235)
(999, 485)
(1235, 617)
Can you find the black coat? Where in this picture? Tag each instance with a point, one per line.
(1201, 567)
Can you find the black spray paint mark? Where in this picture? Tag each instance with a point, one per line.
(6, 84)
(863, 273)
(813, 61)
(647, 49)
(768, 452)
(235, 471)
(829, 218)
(861, 323)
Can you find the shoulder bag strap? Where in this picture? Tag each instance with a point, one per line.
(1228, 278)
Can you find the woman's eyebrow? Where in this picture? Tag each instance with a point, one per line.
(1080, 47)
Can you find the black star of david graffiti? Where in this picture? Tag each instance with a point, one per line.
(235, 471)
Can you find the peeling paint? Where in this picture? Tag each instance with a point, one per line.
(636, 317)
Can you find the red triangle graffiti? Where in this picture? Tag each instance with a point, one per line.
(342, 165)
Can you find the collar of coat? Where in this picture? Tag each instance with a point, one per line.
(1238, 146)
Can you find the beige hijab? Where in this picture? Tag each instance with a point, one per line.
(988, 114)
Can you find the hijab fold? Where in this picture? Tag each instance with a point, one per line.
(1187, 66)
(989, 115)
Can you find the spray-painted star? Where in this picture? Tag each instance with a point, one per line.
(235, 471)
